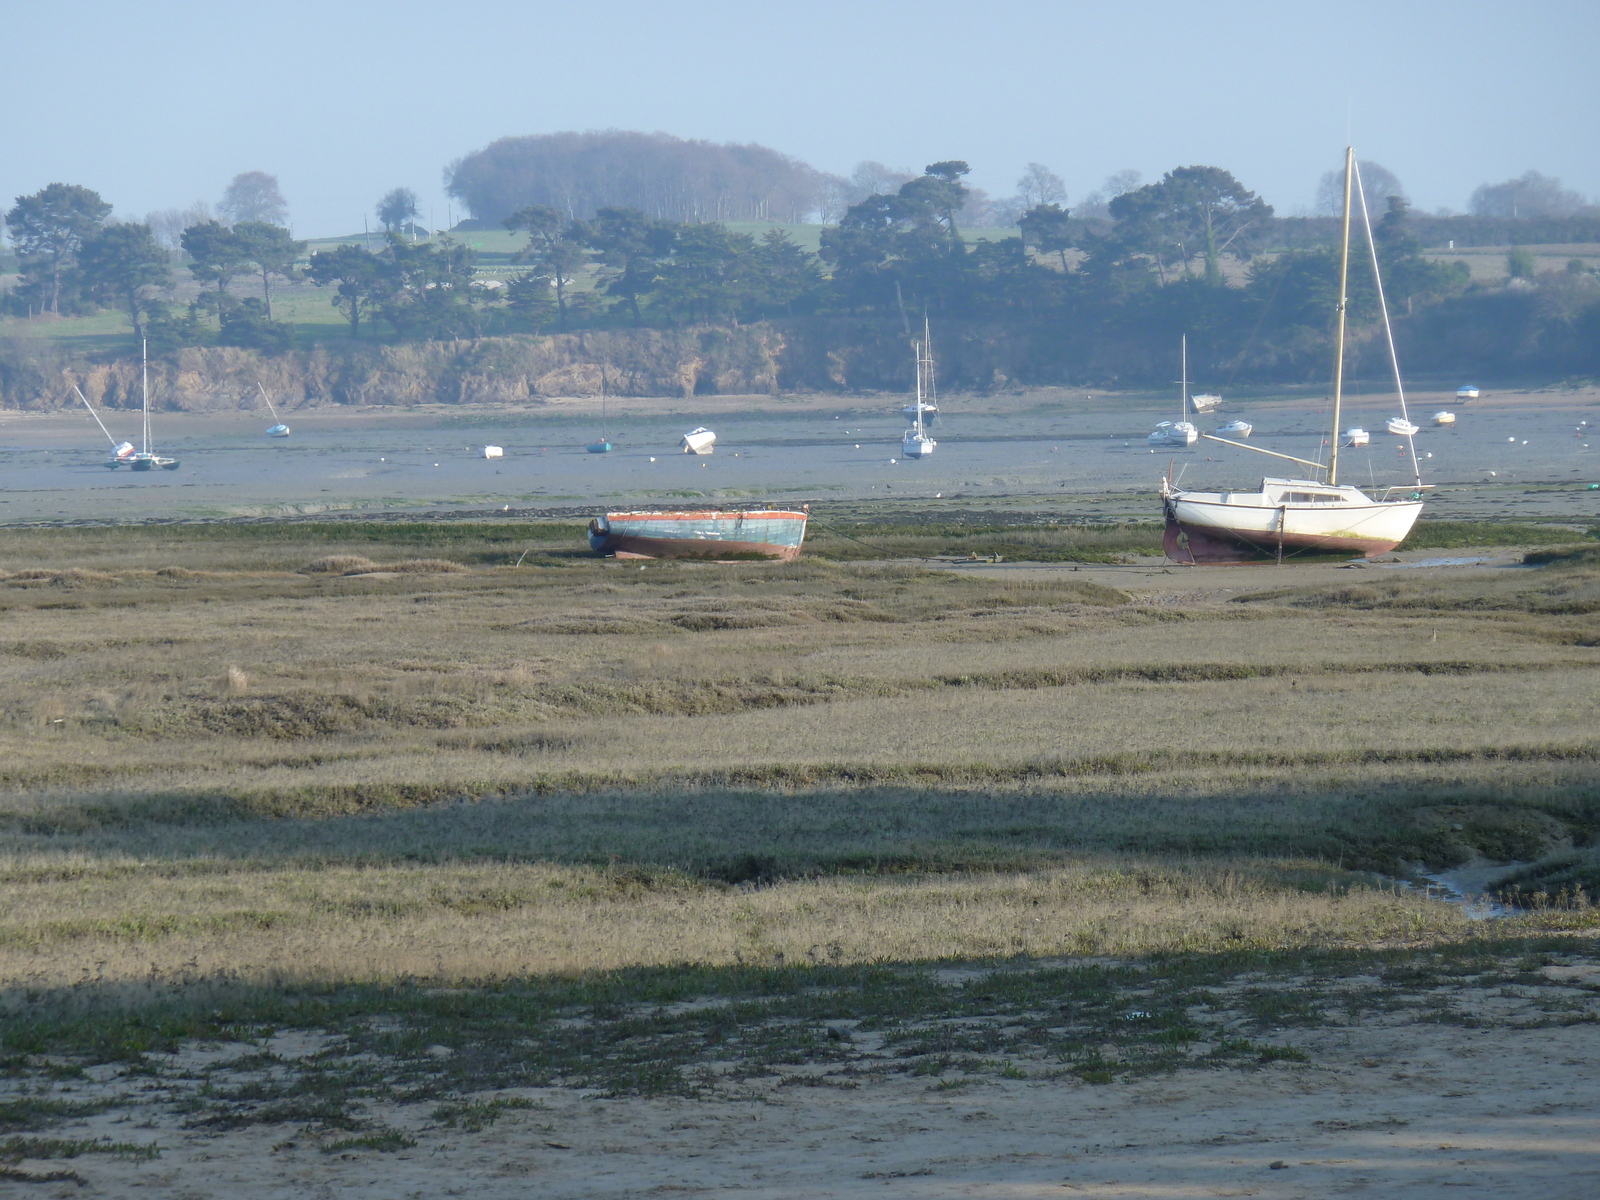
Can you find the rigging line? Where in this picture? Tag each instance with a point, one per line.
(1260, 321)
(868, 545)
(1388, 329)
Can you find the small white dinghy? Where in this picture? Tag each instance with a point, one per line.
(1235, 429)
(1467, 393)
(1205, 402)
(1444, 418)
(493, 452)
(699, 441)
(1356, 436)
(1401, 427)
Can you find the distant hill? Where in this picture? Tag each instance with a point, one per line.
(661, 175)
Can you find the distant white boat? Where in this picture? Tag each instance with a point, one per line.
(1235, 429)
(1205, 402)
(280, 429)
(493, 452)
(699, 441)
(1356, 436)
(1181, 432)
(928, 411)
(916, 443)
(1467, 393)
(1444, 418)
(146, 459)
(1173, 433)
(1401, 427)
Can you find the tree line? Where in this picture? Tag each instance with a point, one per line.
(1117, 280)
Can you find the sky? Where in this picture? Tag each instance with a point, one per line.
(158, 104)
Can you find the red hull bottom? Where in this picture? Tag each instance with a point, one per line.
(1196, 545)
(624, 546)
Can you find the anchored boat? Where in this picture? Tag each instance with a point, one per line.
(1289, 516)
(145, 459)
(916, 443)
(1180, 433)
(713, 534)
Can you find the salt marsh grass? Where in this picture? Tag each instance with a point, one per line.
(315, 751)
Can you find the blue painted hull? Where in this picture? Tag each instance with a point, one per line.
(710, 534)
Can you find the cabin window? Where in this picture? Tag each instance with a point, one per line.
(1312, 498)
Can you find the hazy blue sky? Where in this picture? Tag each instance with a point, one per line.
(157, 104)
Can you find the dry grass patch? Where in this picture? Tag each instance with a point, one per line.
(304, 924)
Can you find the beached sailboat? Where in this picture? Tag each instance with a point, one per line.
(279, 430)
(916, 443)
(121, 452)
(713, 534)
(1180, 433)
(146, 459)
(699, 441)
(1292, 516)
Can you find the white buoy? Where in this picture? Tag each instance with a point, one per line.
(652, 458)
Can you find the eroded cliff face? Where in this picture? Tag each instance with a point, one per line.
(644, 362)
(825, 354)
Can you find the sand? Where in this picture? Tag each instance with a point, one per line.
(1390, 1105)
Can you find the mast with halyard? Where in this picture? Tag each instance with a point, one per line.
(146, 459)
(1298, 515)
(916, 443)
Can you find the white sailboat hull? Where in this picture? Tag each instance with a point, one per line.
(917, 447)
(1294, 516)
(699, 441)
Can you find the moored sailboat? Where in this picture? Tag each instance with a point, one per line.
(147, 459)
(916, 443)
(1180, 433)
(1291, 516)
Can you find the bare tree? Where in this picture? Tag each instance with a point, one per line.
(254, 196)
(1040, 185)
(1098, 203)
(874, 179)
(1377, 182)
(168, 224)
(1533, 195)
(833, 197)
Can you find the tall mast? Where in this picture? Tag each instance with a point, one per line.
(144, 379)
(1183, 384)
(1344, 301)
(918, 347)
